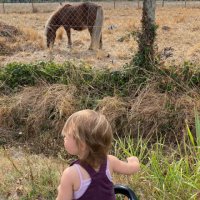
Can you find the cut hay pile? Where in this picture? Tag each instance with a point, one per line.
(12, 40)
(37, 114)
(38, 108)
(4, 49)
(115, 109)
(152, 112)
(8, 35)
(10, 32)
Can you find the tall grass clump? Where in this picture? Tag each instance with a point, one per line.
(28, 177)
(167, 171)
(197, 125)
(194, 137)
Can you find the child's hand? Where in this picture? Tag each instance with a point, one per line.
(132, 159)
(134, 163)
(124, 167)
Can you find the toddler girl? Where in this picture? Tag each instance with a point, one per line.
(88, 135)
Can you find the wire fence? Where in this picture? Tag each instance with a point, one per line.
(6, 6)
(40, 22)
(121, 20)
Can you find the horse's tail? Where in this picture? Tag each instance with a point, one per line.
(97, 28)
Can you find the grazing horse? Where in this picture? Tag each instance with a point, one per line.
(78, 17)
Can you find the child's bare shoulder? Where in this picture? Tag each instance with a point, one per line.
(69, 173)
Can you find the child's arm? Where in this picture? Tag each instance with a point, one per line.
(65, 189)
(123, 167)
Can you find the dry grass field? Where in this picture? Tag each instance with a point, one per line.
(178, 35)
(34, 106)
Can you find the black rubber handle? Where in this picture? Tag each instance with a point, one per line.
(125, 190)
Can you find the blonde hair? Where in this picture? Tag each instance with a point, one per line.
(94, 130)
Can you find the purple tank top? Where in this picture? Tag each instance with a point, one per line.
(100, 188)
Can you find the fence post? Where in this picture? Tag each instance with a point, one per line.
(3, 6)
(163, 1)
(33, 8)
(138, 4)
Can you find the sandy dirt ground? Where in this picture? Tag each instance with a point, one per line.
(178, 35)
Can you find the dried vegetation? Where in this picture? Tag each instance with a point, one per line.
(177, 36)
(35, 104)
(13, 40)
(36, 112)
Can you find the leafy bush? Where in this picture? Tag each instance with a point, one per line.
(16, 75)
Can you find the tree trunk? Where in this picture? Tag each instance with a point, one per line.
(146, 52)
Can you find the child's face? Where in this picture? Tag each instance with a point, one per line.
(70, 142)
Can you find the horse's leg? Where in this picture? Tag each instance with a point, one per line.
(93, 43)
(68, 31)
(101, 43)
(91, 47)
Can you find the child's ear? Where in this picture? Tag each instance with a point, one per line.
(83, 149)
(82, 146)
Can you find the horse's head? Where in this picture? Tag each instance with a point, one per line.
(53, 23)
(50, 34)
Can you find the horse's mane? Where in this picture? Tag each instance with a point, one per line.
(53, 14)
